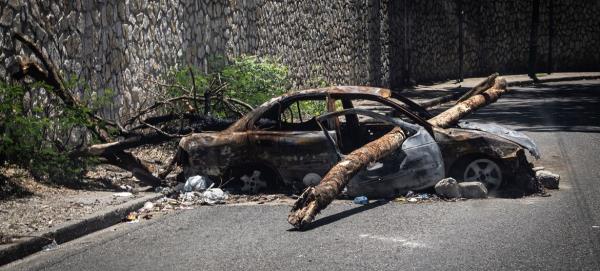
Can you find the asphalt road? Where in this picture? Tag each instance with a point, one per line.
(533, 233)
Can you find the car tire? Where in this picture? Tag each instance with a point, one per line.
(243, 178)
(486, 170)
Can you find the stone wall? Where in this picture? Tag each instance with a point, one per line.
(119, 43)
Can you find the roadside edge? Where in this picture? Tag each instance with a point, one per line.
(73, 229)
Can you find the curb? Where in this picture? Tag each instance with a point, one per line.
(73, 229)
(550, 80)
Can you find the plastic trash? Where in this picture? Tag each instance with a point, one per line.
(400, 199)
(50, 246)
(127, 188)
(361, 200)
(123, 194)
(148, 206)
(413, 200)
(187, 196)
(422, 196)
(214, 196)
(197, 183)
(410, 193)
(132, 217)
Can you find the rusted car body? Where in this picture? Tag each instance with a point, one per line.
(281, 143)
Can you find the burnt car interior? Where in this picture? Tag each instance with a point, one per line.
(352, 131)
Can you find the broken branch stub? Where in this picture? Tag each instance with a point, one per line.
(468, 106)
(479, 88)
(461, 96)
(315, 199)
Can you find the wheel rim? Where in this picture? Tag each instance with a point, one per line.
(485, 171)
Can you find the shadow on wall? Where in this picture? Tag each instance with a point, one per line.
(498, 36)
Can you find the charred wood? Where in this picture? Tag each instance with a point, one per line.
(462, 109)
(315, 199)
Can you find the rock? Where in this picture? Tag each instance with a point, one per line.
(473, 190)
(548, 179)
(7, 17)
(448, 188)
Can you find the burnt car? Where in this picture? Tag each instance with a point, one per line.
(282, 144)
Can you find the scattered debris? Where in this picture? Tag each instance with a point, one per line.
(413, 197)
(421, 197)
(400, 200)
(6, 239)
(214, 196)
(548, 179)
(260, 199)
(148, 206)
(132, 217)
(51, 246)
(127, 188)
(448, 188)
(361, 200)
(197, 183)
(123, 194)
(473, 190)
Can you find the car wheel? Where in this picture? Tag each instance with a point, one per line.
(252, 179)
(479, 169)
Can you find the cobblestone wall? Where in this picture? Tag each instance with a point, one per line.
(118, 43)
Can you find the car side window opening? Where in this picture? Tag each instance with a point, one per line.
(358, 130)
(296, 115)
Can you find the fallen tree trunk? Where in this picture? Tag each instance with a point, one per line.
(315, 199)
(139, 168)
(466, 107)
(461, 96)
(481, 87)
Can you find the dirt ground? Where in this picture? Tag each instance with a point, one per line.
(28, 206)
(37, 206)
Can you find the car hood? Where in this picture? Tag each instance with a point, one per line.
(503, 132)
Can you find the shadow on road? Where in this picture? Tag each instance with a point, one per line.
(341, 215)
(548, 108)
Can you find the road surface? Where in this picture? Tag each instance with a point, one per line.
(560, 232)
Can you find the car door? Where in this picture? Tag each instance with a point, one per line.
(288, 138)
(417, 164)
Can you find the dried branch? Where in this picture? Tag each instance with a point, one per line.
(194, 91)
